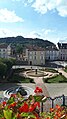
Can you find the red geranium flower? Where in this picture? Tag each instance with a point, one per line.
(48, 118)
(13, 95)
(4, 103)
(58, 107)
(33, 106)
(51, 109)
(12, 105)
(19, 116)
(24, 108)
(38, 90)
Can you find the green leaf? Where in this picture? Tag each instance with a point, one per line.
(38, 98)
(32, 116)
(23, 114)
(11, 100)
(7, 114)
(29, 115)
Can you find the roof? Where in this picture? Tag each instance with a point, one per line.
(51, 49)
(62, 45)
(3, 45)
(36, 49)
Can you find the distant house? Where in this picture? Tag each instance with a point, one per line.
(5, 51)
(62, 51)
(21, 57)
(52, 53)
(35, 56)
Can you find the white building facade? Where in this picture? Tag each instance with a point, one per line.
(35, 56)
(52, 54)
(5, 51)
(62, 51)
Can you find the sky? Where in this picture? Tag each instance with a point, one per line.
(45, 19)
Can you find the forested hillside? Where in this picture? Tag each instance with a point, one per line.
(26, 41)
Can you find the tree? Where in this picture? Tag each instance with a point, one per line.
(19, 49)
(8, 63)
(3, 69)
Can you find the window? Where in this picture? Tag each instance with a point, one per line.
(35, 53)
(30, 57)
(34, 57)
(30, 53)
(4, 50)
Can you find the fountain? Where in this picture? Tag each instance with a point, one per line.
(36, 73)
(23, 90)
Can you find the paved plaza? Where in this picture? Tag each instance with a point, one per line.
(49, 89)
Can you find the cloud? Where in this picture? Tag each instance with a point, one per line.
(62, 11)
(39, 6)
(43, 34)
(64, 40)
(30, 1)
(47, 31)
(33, 34)
(27, 2)
(4, 32)
(9, 16)
(16, 0)
(43, 6)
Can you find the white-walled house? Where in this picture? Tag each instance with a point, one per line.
(5, 51)
(62, 51)
(52, 54)
(35, 56)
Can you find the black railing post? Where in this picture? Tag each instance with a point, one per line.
(41, 106)
(63, 100)
(52, 103)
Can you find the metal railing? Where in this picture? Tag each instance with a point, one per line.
(50, 102)
(60, 100)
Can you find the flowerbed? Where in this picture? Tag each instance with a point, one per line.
(17, 107)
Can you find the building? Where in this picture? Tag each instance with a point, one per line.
(5, 51)
(62, 51)
(52, 53)
(35, 56)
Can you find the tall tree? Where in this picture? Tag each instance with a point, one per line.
(3, 70)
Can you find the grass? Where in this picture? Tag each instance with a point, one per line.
(16, 78)
(51, 70)
(56, 79)
(65, 70)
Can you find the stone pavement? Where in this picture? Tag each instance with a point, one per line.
(38, 82)
(63, 72)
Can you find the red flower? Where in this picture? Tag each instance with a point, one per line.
(51, 109)
(55, 117)
(13, 95)
(38, 90)
(24, 108)
(37, 104)
(58, 107)
(48, 118)
(9, 106)
(4, 103)
(19, 116)
(12, 105)
(33, 106)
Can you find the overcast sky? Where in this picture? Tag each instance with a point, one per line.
(46, 19)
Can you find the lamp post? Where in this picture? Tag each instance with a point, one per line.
(36, 70)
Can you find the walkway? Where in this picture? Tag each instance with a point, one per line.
(38, 82)
(63, 72)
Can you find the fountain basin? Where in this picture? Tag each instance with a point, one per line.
(14, 90)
